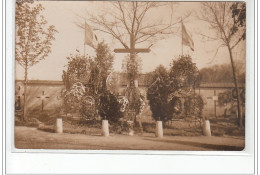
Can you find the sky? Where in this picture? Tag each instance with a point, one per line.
(64, 14)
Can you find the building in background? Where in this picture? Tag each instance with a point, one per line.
(48, 93)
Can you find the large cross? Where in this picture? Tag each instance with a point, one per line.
(132, 50)
(43, 97)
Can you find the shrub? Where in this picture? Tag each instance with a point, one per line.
(109, 107)
(194, 106)
(119, 127)
(158, 93)
(87, 108)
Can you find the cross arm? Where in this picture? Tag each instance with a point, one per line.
(143, 50)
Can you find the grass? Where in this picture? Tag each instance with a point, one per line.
(46, 120)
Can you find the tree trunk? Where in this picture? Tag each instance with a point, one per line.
(236, 87)
(25, 94)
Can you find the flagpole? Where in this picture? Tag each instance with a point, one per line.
(84, 50)
(85, 40)
(181, 37)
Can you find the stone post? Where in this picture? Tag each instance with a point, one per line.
(159, 129)
(136, 83)
(206, 128)
(105, 128)
(59, 128)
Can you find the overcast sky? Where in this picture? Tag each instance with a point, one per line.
(62, 14)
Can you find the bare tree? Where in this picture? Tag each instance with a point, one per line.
(219, 16)
(33, 38)
(135, 19)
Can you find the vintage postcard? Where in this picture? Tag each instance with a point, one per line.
(125, 75)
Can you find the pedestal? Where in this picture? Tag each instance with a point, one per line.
(59, 128)
(105, 129)
(206, 128)
(131, 128)
(159, 129)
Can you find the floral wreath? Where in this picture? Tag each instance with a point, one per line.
(123, 101)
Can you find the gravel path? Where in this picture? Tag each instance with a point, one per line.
(31, 138)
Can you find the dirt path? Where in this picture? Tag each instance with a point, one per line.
(31, 138)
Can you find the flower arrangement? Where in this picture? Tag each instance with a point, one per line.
(77, 90)
(73, 97)
(123, 101)
(142, 105)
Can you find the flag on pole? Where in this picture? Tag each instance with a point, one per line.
(89, 35)
(186, 39)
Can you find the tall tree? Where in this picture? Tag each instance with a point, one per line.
(101, 67)
(124, 19)
(184, 76)
(33, 38)
(227, 19)
(184, 73)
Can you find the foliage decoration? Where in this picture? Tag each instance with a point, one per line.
(73, 97)
(157, 94)
(132, 66)
(109, 107)
(193, 106)
(78, 70)
(183, 73)
(123, 101)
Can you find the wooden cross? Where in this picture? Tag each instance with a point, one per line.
(215, 99)
(132, 50)
(43, 97)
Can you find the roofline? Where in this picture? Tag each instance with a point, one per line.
(221, 85)
(42, 82)
(202, 85)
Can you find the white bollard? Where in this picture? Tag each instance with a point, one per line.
(131, 132)
(105, 129)
(206, 128)
(59, 128)
(159, 129)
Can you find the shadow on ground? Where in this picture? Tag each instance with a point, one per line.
(201, 145)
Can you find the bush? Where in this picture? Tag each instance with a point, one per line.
(42, 116)
(109, 107)
(30, 123)
(149, 127)
(158, 93)
(87, 108)
(120, 127)
(194, 106)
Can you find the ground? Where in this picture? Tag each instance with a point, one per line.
(32, 138)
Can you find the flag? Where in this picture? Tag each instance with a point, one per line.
(88, 35)
(186, 39)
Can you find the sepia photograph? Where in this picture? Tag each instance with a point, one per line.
(130, 75)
